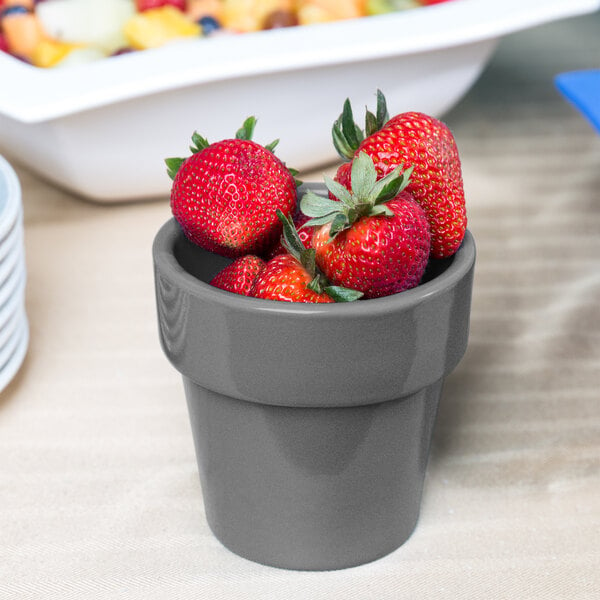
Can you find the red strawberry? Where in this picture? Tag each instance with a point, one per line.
(376, 238)
(3, 43)
(225, 195)
(285, 279)
(294, 277)
(416, 140)
(143, 5)
(240, 275)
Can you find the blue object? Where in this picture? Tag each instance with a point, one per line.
(209, 25)
(582, 89)
(14, 10)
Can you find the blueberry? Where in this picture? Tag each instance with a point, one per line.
(14, 10)
(209, 25)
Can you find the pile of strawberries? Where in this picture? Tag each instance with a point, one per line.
(396, 201)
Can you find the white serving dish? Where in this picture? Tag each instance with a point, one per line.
(102, 129)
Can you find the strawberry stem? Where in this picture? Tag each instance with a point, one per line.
(271, 147)
(295, 172)
(173, 165)
(306, 257)
(347, 135)
(246, 131)
(383, 116)
(366, 199)
(291, 240)
(199, 143)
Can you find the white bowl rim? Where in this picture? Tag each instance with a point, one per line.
(36, 95)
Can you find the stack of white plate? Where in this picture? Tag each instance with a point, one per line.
(14, 327)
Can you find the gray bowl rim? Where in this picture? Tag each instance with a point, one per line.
(167, 264)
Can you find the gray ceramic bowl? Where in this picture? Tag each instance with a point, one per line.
(311, 423)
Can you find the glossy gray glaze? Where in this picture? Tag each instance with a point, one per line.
(311, 488)
(311, 423)
(295, 354)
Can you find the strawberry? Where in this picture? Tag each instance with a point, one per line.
(240, 275)
(294, 277)
(375, 238)
(285, 279)
(143, 5)
(225, 195)
(413, 139)
(4, 47)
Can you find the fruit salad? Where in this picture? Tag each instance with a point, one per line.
(58, 33)
(395, 204)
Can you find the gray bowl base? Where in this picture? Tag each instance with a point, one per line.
(311, 488)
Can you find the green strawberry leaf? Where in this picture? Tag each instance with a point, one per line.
(363, 175)
(307, 259)
(246, 131)
(338, 190)
(342, 294)
(293, 173)
(392, 184)
(316, 221)
(371, 125)
(313, 205)
(315, 285)
(381, 210)
(290, 240)
(271, 147)
(406, 175)
(350, 129)
(173, 165)
(343, 148)
(374, 123)
(389, 187)
(382, 112)
(339, 223)
(199, 143)
(347, 135)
